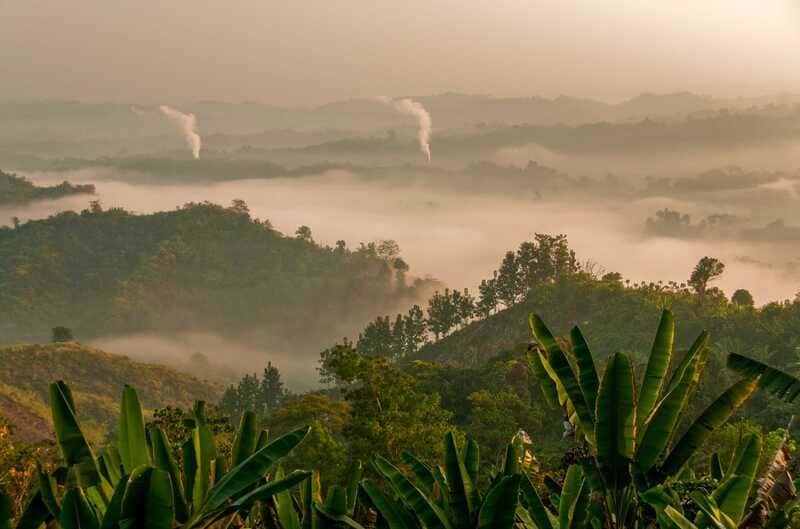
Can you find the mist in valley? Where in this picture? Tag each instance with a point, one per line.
(460, 237)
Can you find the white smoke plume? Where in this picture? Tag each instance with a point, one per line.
(413, 108)
(188, 124)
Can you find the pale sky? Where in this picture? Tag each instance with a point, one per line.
(313, 51)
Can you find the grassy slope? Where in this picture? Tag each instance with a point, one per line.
(96, 378)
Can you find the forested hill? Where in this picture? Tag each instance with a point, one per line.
(619, 316)
(17, 190)
(201, 267)
(96, 378)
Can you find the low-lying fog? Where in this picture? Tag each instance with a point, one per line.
(459, 238)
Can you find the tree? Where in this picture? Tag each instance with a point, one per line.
(507, 280)
(464, 305)
(743, 298)
(415, 330)
(240, 206)
(272, 390)
(62, 334)
(401, 268)
(487, 300)
(388, 249)
(707, 270)
(442, 314)
(377, 339)
(304, 234)
(389, 414)
(260, 396)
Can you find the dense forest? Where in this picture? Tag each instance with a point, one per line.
(17, 190)
(201, 267)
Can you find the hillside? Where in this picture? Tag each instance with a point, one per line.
(96, 378)
(201, 267)
(604, 307)
(17, 190)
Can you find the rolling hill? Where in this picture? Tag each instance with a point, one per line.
(95, 377)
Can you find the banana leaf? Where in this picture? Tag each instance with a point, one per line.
(252, 469)
(147, 503)
(717, 413)
(430, 514)
(499, 508)
(774, 381)
(587, 372)
(74, 447)
(657, 367)
(563, 371)
(131, 436)
(616, 420)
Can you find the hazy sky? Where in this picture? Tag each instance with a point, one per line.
(311, 51)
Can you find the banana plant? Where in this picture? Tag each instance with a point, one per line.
(630, 433)
(443, 497)
(308, 510)
(447, 496)
(136, 482)
(726, 506)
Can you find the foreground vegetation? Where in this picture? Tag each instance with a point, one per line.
(632, 465)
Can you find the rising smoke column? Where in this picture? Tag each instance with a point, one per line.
(188, 125)
(413, 108)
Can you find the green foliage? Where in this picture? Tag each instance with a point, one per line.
(212, 267)
(706, 270)
(261, 396)
(630, 436)
(148, 489)
(18, 190)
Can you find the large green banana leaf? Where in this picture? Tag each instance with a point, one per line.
(657, 367)
(563, 371)
(774, 381)
(131, 437)
(76, 513)
(587, 372)
(660, 427)
(463, 495)
(390, 510)
(500, 506)
(252, 469)
(74, 447)
(732, 494)
(244, 444)
(717, 413)
(616, 420)
(147, 503)
(430, 514)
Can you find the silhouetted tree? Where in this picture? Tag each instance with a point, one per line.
(743, 298)
(304, 234)
(707, 270)
(487, 301)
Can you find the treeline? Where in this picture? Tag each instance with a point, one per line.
(674, 224)
(18, 190)
(545, 259)
(202, 267)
